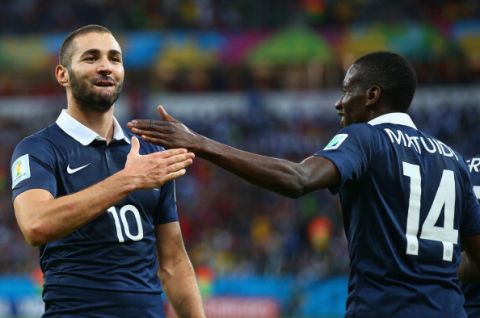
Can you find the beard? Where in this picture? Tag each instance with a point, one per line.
(99, 102)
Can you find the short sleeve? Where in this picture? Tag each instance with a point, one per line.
(167, 206)
(350, 150)
(166, 210)
(33, 167)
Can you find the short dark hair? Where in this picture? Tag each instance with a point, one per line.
(393, 74)
(66, 51)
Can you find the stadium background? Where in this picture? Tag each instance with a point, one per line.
(259, 75)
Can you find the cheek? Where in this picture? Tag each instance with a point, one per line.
(120, 72)
(352, 111)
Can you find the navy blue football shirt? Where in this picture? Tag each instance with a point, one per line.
(108, 266)
(472, 290)
(406, 198)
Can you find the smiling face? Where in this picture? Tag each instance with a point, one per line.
(352, 106)
(95, 73)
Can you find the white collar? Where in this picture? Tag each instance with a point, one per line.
(82, 133)
(393, 118)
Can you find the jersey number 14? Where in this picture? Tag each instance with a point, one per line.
(444, 199)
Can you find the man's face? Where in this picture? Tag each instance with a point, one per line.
(96, 71)
(351, 106)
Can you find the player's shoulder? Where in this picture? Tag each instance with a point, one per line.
(358, 130)
(354, 135)
(38, 140)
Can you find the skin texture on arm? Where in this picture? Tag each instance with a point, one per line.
(43, 218)
(176, 272)
(469, 270)
(282, 176)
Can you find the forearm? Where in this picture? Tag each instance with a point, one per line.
(51, 219)
(282, 176)
(181, 288)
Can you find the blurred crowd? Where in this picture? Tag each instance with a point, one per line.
(33, 16)
(24, 18)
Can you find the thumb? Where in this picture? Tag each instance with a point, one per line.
(164, 115)
(135, 150)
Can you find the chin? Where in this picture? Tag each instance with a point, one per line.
(101, 108)
(96, 106)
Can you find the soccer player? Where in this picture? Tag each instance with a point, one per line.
(406, 197)
(99, 202)
(472, 290)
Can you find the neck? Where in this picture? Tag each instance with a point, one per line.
(377, 111)
(101, 123)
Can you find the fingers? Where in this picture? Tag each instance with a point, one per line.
(172, 153)
(150, 124)
(144, 132)
(173, 156)
(178, 166)
(175, 159)
(135, 146)
(175, 174)
(163, 114)
(146, 124)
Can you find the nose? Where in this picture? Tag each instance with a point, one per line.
(338, 104)
(104, 69)
(104, 66)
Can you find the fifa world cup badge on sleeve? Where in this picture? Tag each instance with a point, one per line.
(20, 170)
(336, 142)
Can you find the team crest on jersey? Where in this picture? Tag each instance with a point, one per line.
(336, 142)
(20, 170)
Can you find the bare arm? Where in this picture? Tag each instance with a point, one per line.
(469, 270)
(43, 218)
(282, 176)
(288, 178)
(176, 272)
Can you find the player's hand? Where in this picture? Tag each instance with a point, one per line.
(167, 132)
(155, 169)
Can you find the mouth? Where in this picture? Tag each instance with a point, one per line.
(340, 114)
(104, 83)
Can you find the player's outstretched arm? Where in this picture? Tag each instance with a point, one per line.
(43, 218)
(176, 272)
(282, 176)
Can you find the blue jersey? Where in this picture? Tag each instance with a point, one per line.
(472, 290)
(107, 267)
(406, 198)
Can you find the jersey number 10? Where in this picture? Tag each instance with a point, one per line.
(444, 199)
(124, 227)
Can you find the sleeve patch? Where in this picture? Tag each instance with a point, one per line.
(20, 170)
(336, 142)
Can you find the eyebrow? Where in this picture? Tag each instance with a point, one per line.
(97, 51)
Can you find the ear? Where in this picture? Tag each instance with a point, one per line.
(373, 95)
(61, 73)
